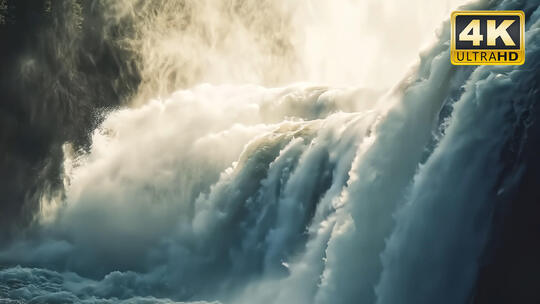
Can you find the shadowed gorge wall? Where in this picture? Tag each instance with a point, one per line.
(59, 75)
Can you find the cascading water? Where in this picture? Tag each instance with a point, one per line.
(301, 193)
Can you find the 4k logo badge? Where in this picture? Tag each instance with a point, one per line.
(488, 37)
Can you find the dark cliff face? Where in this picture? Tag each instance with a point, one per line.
(510, 271)
(510, 267)
(59, 74)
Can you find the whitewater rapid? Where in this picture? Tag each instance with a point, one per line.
(294, 194)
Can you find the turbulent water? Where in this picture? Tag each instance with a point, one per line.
(300, 193)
